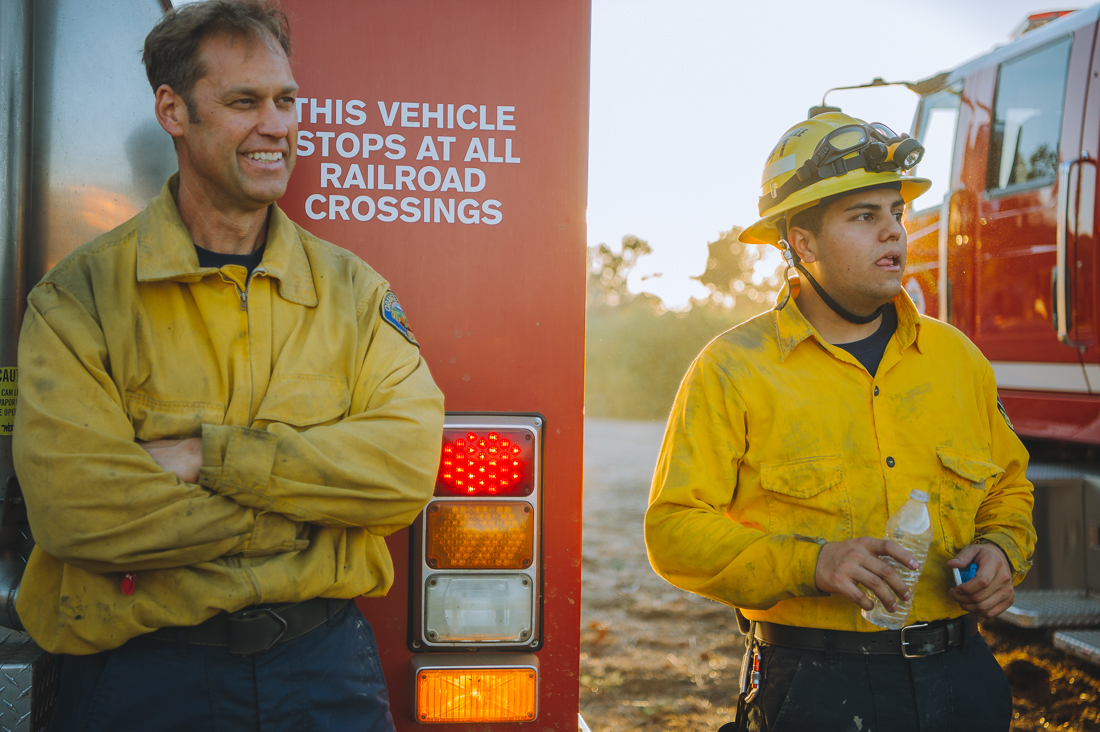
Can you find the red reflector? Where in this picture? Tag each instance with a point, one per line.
(486, 462)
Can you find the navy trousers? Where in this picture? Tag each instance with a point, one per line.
(329, 679)
(960, 690)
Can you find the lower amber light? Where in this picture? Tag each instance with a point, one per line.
(476, 695)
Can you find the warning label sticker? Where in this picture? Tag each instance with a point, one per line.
(9, 393)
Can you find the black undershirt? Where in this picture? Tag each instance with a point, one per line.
(869, 350)
(250, 262)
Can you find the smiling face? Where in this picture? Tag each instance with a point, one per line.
(858, 255)
(238, 152)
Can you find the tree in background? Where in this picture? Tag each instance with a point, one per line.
(607, 271)
(729, 272)
(637, 350)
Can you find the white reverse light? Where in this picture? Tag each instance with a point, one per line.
(483, 608)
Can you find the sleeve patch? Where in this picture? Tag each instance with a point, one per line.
(395, 316)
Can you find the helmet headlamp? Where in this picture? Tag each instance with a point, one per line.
(906, 153)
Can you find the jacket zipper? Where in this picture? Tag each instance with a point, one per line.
(243, 294)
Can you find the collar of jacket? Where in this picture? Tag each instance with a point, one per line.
(165, 250)
(791, 326)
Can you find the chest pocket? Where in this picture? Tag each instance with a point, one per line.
(964, 483)
(305, 400)
(807, 497)
(157, 419)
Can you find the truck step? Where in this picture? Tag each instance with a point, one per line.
(1059, 471)
(1081, 643)
(1053, 609)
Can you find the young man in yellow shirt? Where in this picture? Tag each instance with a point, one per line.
(798, 433)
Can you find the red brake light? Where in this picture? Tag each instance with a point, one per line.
(490, 463)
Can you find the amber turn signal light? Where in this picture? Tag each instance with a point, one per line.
(480, 535)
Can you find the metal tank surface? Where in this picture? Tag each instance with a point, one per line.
(80, 153)
(98, 154)
(15, 134)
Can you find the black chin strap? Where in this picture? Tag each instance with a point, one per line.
(793, 261)
(837, 307)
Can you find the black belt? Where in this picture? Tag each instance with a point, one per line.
(913, 641)
(255, 629)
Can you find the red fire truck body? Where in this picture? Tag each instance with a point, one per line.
(478, 192)
(1005, 247)
(445, 144)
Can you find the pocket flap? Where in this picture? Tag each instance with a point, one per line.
(975, 468)
(157, 419)
(802, 478)
(305, 399)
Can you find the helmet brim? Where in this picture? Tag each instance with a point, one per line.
(764, 231)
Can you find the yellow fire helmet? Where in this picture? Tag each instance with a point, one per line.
(829, 154)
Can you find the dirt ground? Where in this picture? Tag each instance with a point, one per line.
(656, 658)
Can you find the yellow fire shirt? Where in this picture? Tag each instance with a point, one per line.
(780, 442)
(320, 429)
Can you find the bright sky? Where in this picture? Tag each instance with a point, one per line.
(688, 98)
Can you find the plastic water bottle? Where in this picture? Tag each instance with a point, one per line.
(911, 527)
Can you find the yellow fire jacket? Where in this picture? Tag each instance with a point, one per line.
(780, 442)
(320, 429)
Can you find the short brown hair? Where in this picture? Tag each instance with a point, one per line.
(812, 218)
(171, 54)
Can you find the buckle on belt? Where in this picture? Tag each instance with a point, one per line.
(904, 643)
(246, 634)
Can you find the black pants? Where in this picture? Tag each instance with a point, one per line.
(328, 680)
(962, 689)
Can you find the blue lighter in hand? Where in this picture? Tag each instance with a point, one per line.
(965, 575)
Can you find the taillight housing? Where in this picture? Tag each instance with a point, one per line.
(476, 570)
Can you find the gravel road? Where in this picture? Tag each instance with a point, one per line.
(652, 656)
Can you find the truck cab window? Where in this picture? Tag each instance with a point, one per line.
(1027, 119)
(937, 122)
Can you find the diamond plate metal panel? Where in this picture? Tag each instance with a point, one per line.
(28, 686)
(1053, 609)
(1082, 643)
(10, 637)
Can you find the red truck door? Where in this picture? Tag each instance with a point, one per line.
(1003, 236)
(1081, 216)
(446, 144)
(942, 120)
(1028, 136)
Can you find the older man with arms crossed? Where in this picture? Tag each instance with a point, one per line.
(221, 418)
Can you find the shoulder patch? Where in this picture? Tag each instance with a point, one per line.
(395, 316)
(1001, 409)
